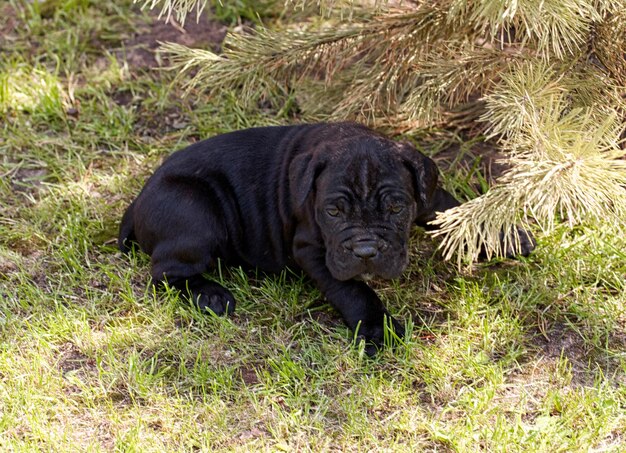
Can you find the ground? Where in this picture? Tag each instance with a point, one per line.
(510, 355)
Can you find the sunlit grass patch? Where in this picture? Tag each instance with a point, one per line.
(24, 88)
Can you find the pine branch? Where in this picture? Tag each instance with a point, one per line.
(452, 76)
(564, 167)
(269, 58)
(610, 44)
(180, 8)
(532, 87)
(554, 27)
(257, 63)
(342, 9)
(524, 90)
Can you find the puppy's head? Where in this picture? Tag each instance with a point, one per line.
(366, 192)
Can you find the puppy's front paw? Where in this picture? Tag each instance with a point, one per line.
(214, 297)
(527, 243)
(374, 334)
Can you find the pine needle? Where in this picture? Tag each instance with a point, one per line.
(180, 8)
(564, 168)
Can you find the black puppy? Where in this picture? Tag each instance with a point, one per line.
(335, 200)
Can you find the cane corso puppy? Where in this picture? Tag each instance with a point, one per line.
(336, 201)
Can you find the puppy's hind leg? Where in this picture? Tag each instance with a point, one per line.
(188, 246)
(182, 269)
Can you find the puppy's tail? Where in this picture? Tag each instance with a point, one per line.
(127, 230)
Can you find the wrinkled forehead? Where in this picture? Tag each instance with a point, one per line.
(365, 170)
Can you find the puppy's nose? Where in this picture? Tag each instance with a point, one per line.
(365, 249)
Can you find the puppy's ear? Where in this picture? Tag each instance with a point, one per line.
(424, 172)
(303, 171)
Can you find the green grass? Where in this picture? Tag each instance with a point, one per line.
(521, 355)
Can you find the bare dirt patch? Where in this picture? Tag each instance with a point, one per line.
(8, 24)
(561, 341)
(140, 50)
(71, 359)
(28, 179)
(249, 375)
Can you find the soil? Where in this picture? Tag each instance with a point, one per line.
(7, 24)
(140, 49)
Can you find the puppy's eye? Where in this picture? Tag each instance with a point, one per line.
(396, 208)
(333, 211)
